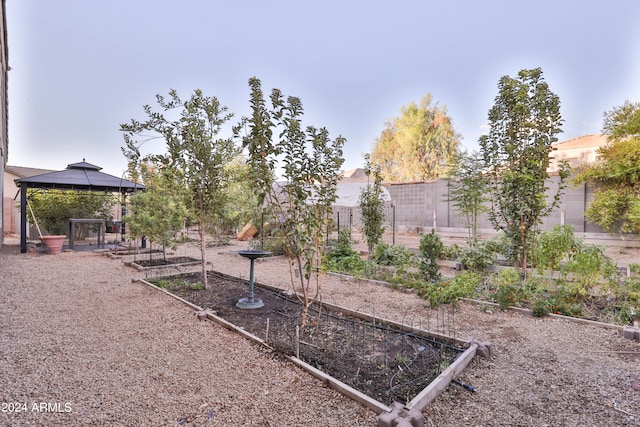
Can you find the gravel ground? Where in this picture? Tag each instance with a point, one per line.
(81, 344)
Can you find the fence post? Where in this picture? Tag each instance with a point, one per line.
(393, 224)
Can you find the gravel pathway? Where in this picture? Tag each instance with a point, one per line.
(96, 349)
(82, 345)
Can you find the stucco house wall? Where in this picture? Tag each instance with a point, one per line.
(4, 144)
(10, 213)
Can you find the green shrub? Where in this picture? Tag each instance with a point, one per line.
(565, 307)
(554, 246)
(409, 281)
(631, 289)
(540, 307)
(450, 291)
(381, 254)
(478, 257)
(352, 264)
(397, 256)
(589, 266)
(509, 291)
(506, 296)
(563, 301)
(625, 301)
(162, 283)
(536, 286)
(430, 249)
(450, 252)
(342, 246)
(217, 241)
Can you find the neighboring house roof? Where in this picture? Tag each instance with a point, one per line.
(23, 172)
(355, 175)
(80, 176)
(586, 141)
(577, 151)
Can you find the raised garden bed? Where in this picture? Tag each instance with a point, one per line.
(118, 252)
(159, 263)
(385, 361)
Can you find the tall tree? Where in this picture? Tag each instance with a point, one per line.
(616, 173)
(417, 146)
(196, 156)
(524, 123)
(308, 162)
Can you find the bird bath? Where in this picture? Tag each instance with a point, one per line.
(251, 301)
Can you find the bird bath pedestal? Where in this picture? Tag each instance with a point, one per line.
(251, 301)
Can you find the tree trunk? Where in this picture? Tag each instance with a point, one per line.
(523, 245)
(205, 280)
(303, 316)
(301, 295)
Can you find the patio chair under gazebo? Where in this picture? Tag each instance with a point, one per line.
(77, 176)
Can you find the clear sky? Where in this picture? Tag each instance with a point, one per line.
(80, 68)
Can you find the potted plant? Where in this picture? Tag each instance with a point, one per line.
(47, 212)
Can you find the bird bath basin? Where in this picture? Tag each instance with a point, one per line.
(251, 301)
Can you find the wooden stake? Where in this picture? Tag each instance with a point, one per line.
(266, 334)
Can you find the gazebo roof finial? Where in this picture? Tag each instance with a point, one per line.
(83, 165)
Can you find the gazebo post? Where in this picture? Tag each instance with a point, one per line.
(23, 218)
(123, 211)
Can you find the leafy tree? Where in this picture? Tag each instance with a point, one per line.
(372, 207)
(616, 173)
(468, 192)
(54, 208)
(622, 122)
(524, 123)
(159, 212)
(241, 204)
(309, 163)
(196, 156)
(418, 145)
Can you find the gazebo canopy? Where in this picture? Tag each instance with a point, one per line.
(80, 176)
(77, 176)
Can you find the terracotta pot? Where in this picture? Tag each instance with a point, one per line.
(54, 243)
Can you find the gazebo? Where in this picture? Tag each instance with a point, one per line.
(77, 176)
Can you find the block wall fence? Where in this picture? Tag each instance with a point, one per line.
(420, 206)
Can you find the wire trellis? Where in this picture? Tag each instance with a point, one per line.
(381, 360)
